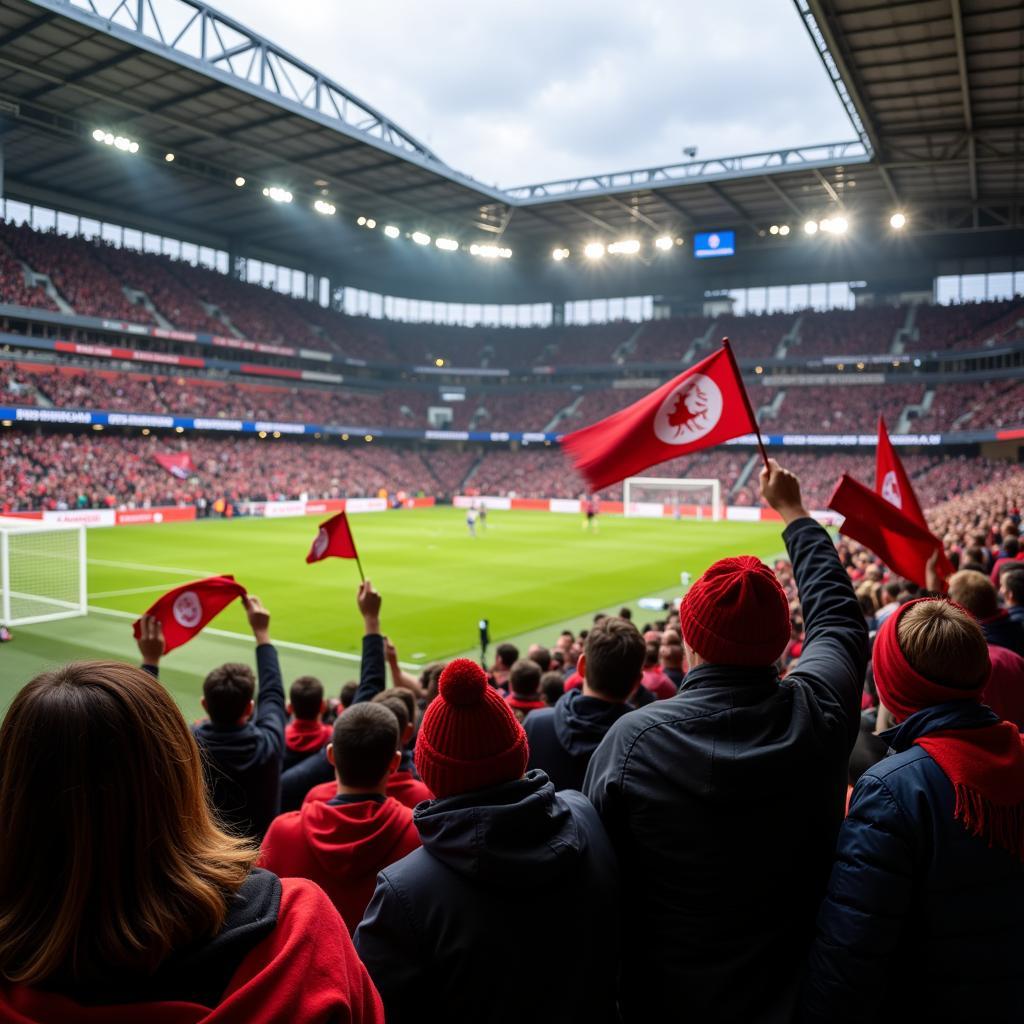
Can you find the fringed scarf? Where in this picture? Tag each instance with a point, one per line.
(984, 765)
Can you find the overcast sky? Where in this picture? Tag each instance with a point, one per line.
(524, 91)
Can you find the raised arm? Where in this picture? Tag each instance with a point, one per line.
(151, 644)
(835, 650)
(371, 668)
(270, 714)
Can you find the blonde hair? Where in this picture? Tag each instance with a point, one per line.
(944, 644)
(112, 858)
(975, 591)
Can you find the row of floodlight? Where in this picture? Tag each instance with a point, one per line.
(622, 247)
(485, 250)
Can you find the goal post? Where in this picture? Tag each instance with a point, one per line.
(42, 571)
(686, 498)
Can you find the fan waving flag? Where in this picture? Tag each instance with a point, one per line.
(702, 407)
(187, 610)
(893, 484)
(179, 464)
(904, 545)
(334, 540)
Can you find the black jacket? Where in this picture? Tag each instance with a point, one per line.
(243, 762)
(1003, 630)
(563, 738)
(724, 803)
(314, 769)
(507, 913)
(923, 921)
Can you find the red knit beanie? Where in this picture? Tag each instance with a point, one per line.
(737, 613)
(469, 737)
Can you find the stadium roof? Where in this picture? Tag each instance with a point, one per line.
(933, 88)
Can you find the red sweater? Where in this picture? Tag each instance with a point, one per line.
(341, 847)
(659, 684)
(403, 786)
(306, 969)
(304, 736)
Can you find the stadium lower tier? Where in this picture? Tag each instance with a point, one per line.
(59, 470)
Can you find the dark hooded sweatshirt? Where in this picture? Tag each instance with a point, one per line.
(341, 844)
(243, 762)
(503, 872)
(283, 955)
(562, 738)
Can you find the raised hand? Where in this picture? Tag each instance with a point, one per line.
(151, 640)
(259, 618)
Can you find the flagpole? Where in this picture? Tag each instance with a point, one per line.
(746, 399)
(359, 565)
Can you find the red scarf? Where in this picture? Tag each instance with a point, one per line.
(984, 765)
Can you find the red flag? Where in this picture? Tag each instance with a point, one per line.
(702, 407)
(901, 543)
(893, 484)
(334, 539)
(179, 464)
(186, 610)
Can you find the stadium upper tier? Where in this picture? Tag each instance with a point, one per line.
(43, 270)
(912, 407)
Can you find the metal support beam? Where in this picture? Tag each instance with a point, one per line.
(634, 213)
(784, 196)
(734, 206)
(965, 94)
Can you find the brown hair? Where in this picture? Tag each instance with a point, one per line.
(112, 857)
(524, 677)
(306, 696)
(615, 653)
(975, 591)
(365, 740)
(227, 691)
(394, 701)
(944, 644)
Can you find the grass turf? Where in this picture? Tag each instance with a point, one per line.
(530, 573)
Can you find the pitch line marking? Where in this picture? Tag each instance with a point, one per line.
(133, 590)
(174, 570)
(228, 635)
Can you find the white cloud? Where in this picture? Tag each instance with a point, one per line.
(533, 90)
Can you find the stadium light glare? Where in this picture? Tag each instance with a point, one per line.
(239, 181)
(371, 223)
(323, 207)
(447, 244)
(368, 438)
(179, 430)
(811, 227)
(145, 431)
(840, 225)
(625, 247)
(898, 220)
(361, 221)
(421, 238)
(133, 147)
(664, 243)
(559, 254)
(169, 157)
(99, 134)
(774, 229)
(490, 252)
(278, 194)
(783, 229)
(439, 362)
(593, 250)
(825, 225)
(391, 231)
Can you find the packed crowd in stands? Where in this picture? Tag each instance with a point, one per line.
(89, 275)
(837, 410)
(974, 406)
(841, 835)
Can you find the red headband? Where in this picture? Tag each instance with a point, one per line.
(901, 688)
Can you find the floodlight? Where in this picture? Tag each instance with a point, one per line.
(593, 250)
(664, 243)
(559, 254)
(811, 227)
(627, 247)
(108, 138)
(774, 229)
(490, 252)
(99, 134)
(361, 221)
(169, 157)
(898, 220)
(371, 223)
(840, 225)
(133, 147)
(825, 225)
(239, 181)
(783, 229)
(421, 238)
(439, 362)
(323, 207)
(391, 231)
(447, 244)
(278, 194)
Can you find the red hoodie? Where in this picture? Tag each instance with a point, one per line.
(303, 736)
(403, 786)
(305, 970)
(656, 682)
(341, 847)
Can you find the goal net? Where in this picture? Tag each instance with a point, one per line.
(42, 571)
(656, 497)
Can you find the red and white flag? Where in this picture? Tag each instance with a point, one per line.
(333, 540)
(179, 464)
(893, 484)
(700, 408)
(187, 610)
(904, 545)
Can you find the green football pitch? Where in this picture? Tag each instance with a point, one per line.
(529, 573)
